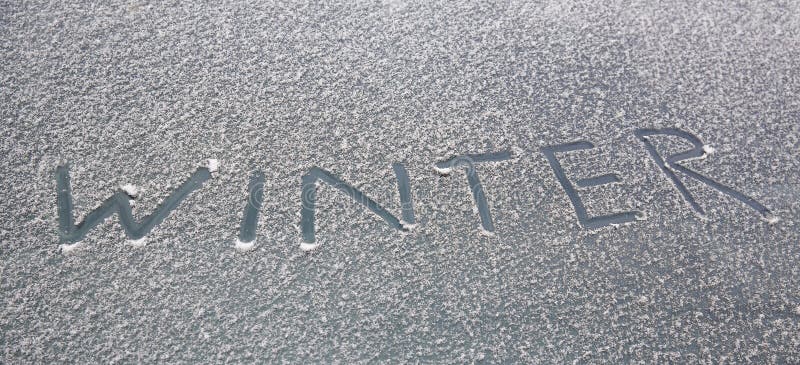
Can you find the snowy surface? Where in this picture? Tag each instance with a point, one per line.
(212, 164)
(131, 92)
(130, 189)
(244, 246)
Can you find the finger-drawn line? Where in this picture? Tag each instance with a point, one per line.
(119, 202)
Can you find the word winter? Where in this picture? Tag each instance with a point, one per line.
(119, 202)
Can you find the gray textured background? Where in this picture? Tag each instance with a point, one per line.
(131, 92)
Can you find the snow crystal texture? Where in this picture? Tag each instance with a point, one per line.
(131, 92)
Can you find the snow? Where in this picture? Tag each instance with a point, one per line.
(141, 242)
(772, 219)
(443, 170)
(709, 150)
(308, 246)
(67, 248)
(212, 164)
(244, 246)
(131, 190)
(408, 226)
(549, 75)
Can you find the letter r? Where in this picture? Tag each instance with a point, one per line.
(672, 163)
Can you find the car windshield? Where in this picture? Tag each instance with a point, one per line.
(400, 182)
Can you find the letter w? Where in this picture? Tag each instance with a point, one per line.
(117, 203)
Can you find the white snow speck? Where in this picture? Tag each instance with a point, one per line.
(131, 190)
(709, 150)
(308, 246)
(643, 300)
(244, 246)
(772, 219)
(138, 243)
(408, 226)
(443, 171)
(486, 233)
(70, 247)
(212, 164)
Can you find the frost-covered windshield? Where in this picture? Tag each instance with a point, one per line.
(460, 182)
